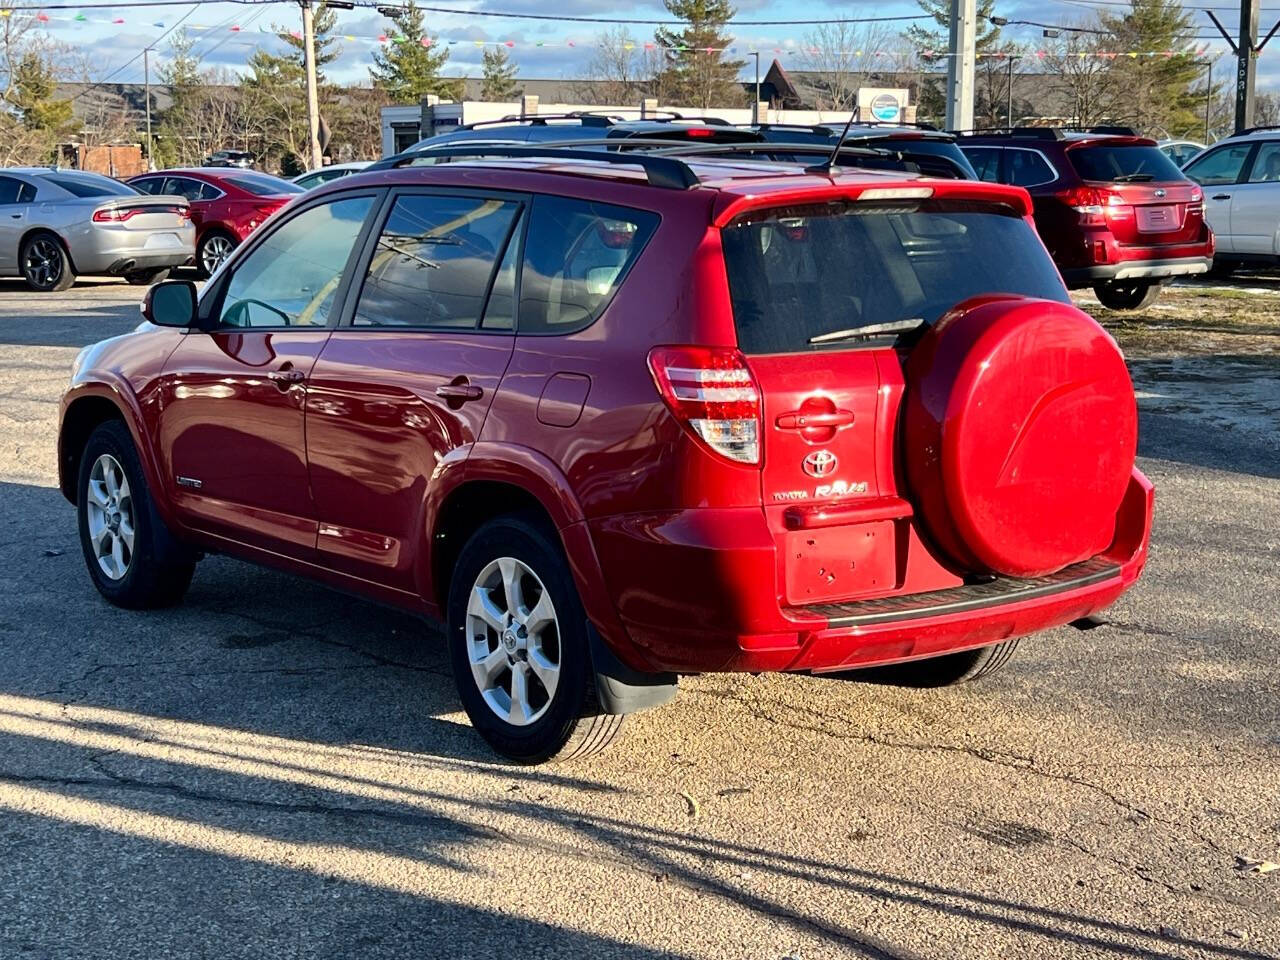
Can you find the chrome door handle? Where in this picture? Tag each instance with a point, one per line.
(459, 392)
(286, 377)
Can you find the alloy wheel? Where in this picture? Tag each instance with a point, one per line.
(43, 263)
(109, 510)
(216, 249)
(513, 641)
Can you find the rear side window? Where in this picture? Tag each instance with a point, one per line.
(10, 189)
(986, 162)
(1027, 168)
(808, 278)
(576, 256)
(1122, 164)
(434, 261)
(1219, 166)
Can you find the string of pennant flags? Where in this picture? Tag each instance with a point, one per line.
(786, 48)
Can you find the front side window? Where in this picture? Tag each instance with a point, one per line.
(1219, 166)
(1027, 168)
(576, 255)
(291, 277)
(148, 185)
(808, 278)
(434, 261)
(182, 187)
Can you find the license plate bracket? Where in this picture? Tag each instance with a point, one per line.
(1158, 219)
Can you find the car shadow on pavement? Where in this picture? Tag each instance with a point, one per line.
(291, 761)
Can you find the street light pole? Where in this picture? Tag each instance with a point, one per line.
(755, 103)
(1009, 105)
(146, 86)
(313, 100)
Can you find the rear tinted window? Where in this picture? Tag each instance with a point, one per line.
(1123, 163)
(577, 254)
(802, 273)
(90, 185)
(263, 185)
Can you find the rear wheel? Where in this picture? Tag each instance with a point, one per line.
(1127, 294)
(944, 671)
(519, 649)
(215, 246)
(144, 278)
(132, 558)
(45, 264)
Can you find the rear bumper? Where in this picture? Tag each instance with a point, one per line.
(697, 592)
(1137, 270)
(110, 251)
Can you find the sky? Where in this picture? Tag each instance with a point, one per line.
(115, 47)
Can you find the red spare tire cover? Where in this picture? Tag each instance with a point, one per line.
(1021, 429)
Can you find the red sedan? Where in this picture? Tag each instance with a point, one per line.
(226, 205)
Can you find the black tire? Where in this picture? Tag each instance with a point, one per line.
(203, 250)
(571, 723)
(1127, 294)
(45, 264)
(159, 568)
(1222, 269)
(944, 671)
(144, 278)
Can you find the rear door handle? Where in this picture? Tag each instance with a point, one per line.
(795, 420)
(1221, 196)
(459, 392)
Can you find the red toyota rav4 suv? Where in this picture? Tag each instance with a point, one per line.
(620, 417)
(1115, 212)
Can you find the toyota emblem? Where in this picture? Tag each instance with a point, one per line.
(820, 463)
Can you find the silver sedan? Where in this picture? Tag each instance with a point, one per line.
(58, 224)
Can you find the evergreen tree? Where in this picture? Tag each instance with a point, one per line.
(1161, 95)
(695, 70)
(327, 50)
(406, 69)
(499, 79)
(33, 88)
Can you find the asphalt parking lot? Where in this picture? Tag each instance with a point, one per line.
(275, 770)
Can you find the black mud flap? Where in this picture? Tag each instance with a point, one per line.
(621, 689)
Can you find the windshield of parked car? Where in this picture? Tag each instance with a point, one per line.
(264, 185)
(812, 277)
(1123, 163)
(82, 184)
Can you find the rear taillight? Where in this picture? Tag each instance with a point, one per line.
(121, 214)
(1096, 205)
(712, 392)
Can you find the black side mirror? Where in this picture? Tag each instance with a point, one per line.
(171, 304)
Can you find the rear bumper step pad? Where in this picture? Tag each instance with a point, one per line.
(974, 596)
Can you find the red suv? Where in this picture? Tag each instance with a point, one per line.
(617, 417)
(226, 205)
(1115, 212)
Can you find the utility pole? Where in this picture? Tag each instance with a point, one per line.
(313, 99)
(1246, 50)
(755, 103)
(146, 84)
(960, 64)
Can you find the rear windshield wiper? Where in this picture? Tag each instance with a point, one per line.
(873, 330)
(1133, 177)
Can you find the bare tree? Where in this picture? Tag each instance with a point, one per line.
(842, 56)
(1083, 79)
(621, 71)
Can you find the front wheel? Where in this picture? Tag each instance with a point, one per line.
(1127, 294)
(519, 648)
(132, 558)
(45, 264)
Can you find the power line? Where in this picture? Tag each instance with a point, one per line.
(139, 55)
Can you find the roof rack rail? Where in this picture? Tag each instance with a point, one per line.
(540, 119)
(1258, 129)
(618, 111)
(668, 172)
(665, 148)
(1031, 133)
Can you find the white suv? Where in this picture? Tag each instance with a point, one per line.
(1241, 180)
